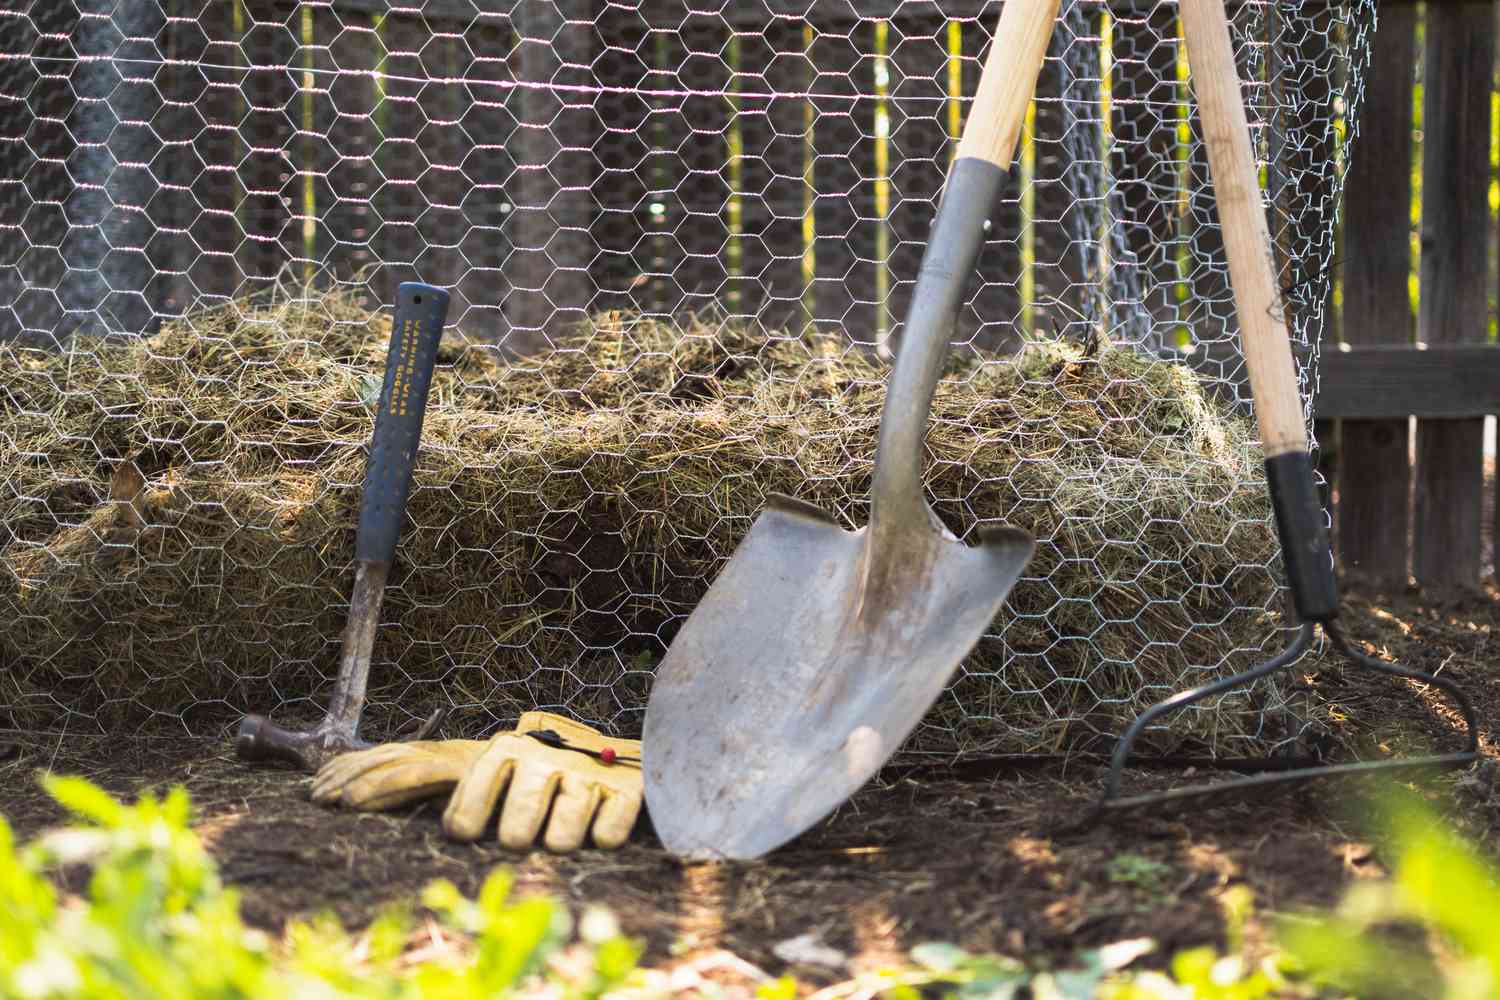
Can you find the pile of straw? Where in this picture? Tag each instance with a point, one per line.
(177, 521)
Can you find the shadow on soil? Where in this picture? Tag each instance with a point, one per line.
(986, 864)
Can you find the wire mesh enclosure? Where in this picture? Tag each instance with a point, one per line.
(681, 219)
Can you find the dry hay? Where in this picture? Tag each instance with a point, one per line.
(178, 518)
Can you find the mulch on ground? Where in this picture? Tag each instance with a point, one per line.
(988, 863)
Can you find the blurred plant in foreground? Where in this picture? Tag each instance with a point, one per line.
(157, 922)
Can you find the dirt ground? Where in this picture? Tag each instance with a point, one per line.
(982, 858)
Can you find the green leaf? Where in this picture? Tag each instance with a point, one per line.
(939, 956)
(85, 800)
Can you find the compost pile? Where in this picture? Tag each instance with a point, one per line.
(177, 522)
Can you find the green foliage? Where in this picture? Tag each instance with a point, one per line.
(1443, 899)
(1151, 878)
(157, 922)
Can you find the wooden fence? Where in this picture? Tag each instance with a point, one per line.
(545, 159)
(1417, 505)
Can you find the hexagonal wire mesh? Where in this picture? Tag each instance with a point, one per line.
(187, 174)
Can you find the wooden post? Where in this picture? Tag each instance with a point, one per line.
(552, 223)
(399, 160)
(216, 152)
(177, 127)
(920, 148)
(268, 96)
(698, 209)
(992, 316)
(1142, 82)
(770, 283)
(1455, 185)
(346, 116)
(624, 151)
(444, 59)
(844, 247)
(489, 171)
(1375, 461)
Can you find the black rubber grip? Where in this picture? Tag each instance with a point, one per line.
(1304, 536)
(415, 333)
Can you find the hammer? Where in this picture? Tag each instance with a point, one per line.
(415, 332)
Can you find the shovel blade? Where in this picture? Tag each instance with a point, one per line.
(790, 685)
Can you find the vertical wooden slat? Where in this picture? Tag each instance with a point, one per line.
(1458, 69)
(34, 182)
(347, 118)
(1301, 163)
(702, 193)
(445, 60)
(844, 246)
(398, 201)
(489, 121)
(920, 147)
(135, 301)
(623, 150)
(658, 254)
(551, 226)
(1375, 462)
(1054, 265)
(320, 148)
(994, 311)
(1145, 129)
(306, 238)
(267, 94)
(217, 151)
(176, 126)
(773, 194)
(18, 76)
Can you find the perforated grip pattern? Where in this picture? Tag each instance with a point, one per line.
(415, 332)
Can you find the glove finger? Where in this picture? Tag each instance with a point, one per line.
(616, 818)
(398, 785)
(572, 811)
(473, 801)
(526, 806)
(334, 775)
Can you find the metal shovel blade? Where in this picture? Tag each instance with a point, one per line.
(805, 666)
(818, 650)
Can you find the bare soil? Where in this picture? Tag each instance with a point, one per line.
(990, 857)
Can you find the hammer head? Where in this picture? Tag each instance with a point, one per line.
(259, 739)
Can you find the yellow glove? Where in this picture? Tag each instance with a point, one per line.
(578, 782)
(394, 774)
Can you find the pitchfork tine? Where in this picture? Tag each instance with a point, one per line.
(1112, 800)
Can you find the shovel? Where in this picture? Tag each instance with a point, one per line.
(817, 649)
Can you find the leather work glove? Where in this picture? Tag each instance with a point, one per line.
(577, 781)
(395, 774)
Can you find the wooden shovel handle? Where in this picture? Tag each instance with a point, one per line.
(1008, 82)
(1247, 240)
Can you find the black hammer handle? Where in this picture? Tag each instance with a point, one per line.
(415, 333)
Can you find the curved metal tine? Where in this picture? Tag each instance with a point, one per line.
(1121, 755)
(1447, 685)
(1112, 801)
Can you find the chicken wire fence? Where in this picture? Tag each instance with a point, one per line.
(771, 165)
